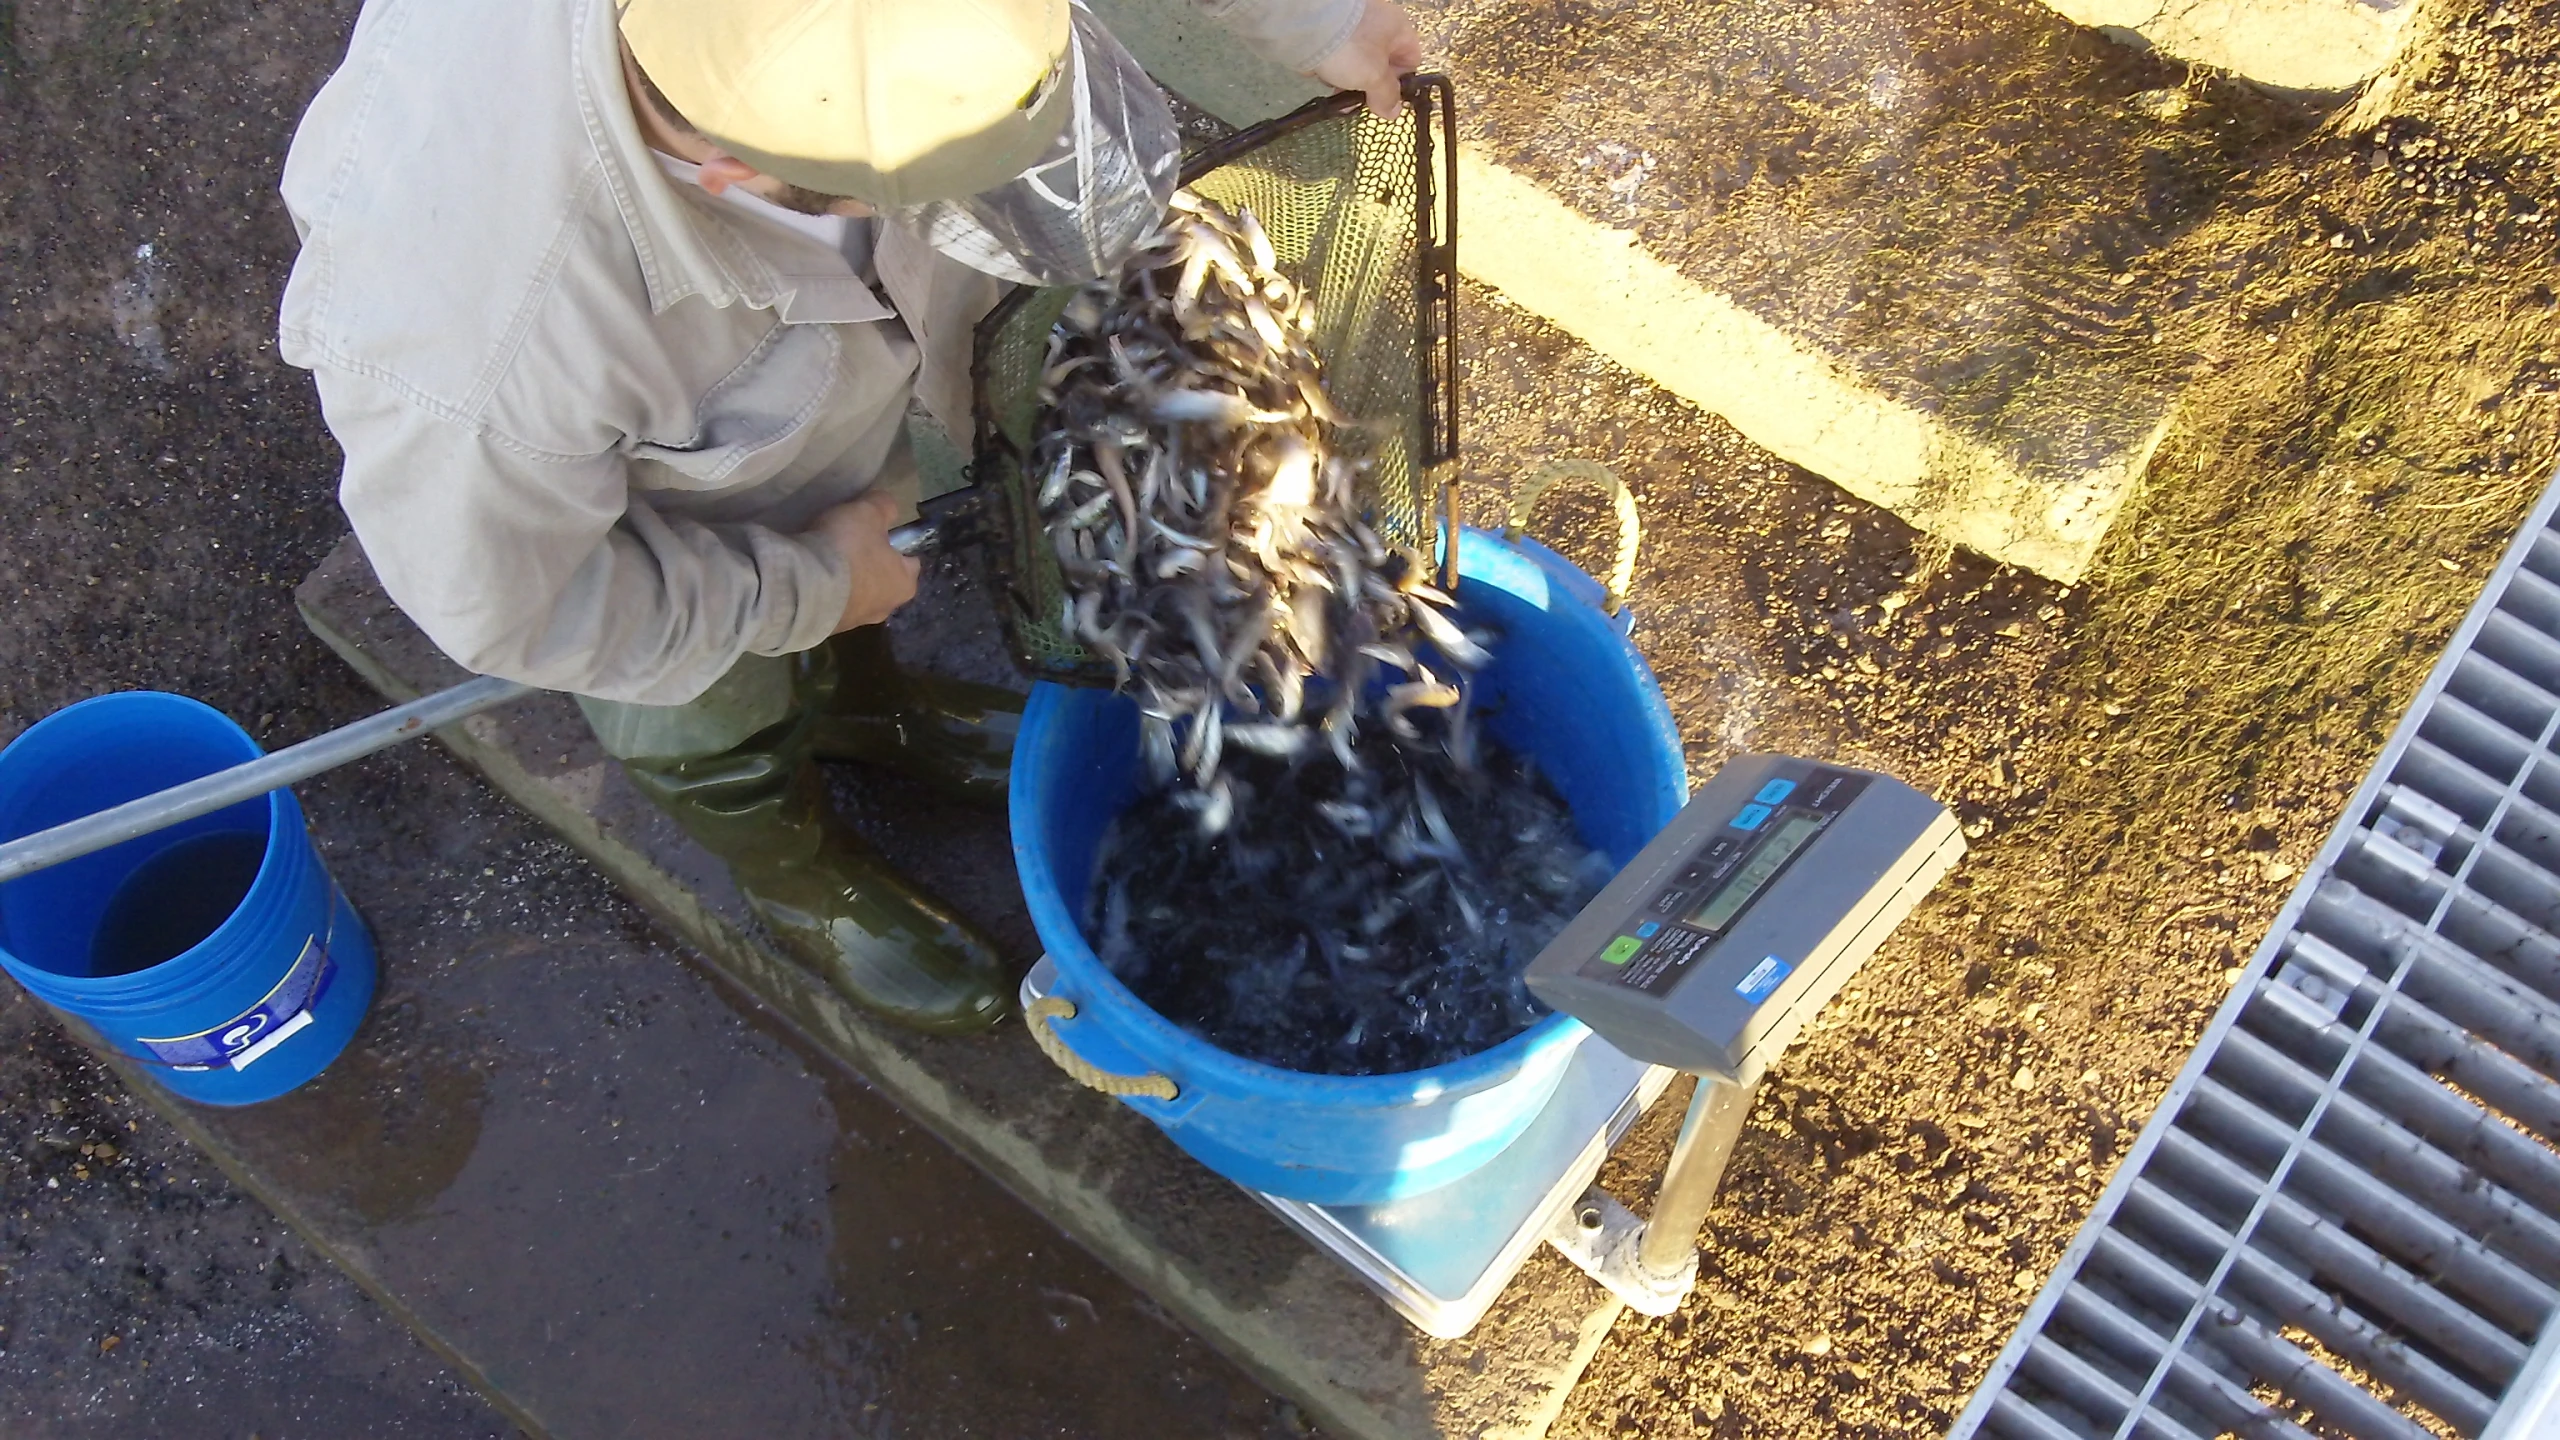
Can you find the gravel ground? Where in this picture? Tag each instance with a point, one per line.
(2144, 762)
(142, 1294)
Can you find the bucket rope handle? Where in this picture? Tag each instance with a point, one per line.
(1042, 1018)
(1622, 573)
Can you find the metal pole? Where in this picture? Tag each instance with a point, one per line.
(1717, 1112)
(301, 762)
(257, 777)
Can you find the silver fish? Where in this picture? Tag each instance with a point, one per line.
(1155, 745)
(1265, 738)
(1053, 486)
(1212, 407)
(1356, 822)
(1208, 520)
(1085, 515)
(1265, 259)
(1418, 694)
(1451, 641)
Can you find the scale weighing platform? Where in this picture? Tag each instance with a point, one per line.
(1707, 954)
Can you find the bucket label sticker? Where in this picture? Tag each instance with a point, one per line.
(245, 1039)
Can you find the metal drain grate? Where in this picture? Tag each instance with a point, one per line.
(2344, 1219)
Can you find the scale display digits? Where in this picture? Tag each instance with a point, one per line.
(1719, 908)
(1732, 867)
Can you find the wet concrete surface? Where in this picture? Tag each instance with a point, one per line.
(635, 1205)
(1200, 1246)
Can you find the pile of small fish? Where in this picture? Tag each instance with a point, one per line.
(1208, 526)
(1332, 871)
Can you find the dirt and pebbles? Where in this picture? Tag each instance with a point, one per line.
(141, 1293)
(2144, 761)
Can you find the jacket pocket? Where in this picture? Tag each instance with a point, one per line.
(751, 424)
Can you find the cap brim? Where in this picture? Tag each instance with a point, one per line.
(965, 165)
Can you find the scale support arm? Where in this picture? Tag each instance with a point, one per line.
(1652, 1264)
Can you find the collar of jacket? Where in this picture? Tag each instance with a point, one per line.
(686, 250)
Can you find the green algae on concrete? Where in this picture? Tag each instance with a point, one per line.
(1196, 1244)
(1913, 247)
(1948, 215)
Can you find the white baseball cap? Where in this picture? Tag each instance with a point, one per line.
(891, 102)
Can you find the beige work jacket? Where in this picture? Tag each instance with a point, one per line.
(587, 411)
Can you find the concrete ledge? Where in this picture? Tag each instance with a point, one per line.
(2298, 47)
(1783, 392)
(1196, 1244)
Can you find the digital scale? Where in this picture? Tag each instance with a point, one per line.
(1707, 954)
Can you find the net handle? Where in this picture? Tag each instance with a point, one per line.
(1435, 272)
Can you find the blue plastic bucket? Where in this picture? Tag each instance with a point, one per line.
(1565, 688)
(255, 1007)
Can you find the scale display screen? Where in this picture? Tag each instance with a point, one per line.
(1784, 840)
(1723, 874)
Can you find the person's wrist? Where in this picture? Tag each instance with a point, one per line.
(1346, 29)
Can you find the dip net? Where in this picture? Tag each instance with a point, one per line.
(1362, 213)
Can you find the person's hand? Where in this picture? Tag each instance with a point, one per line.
(1382, 50)
(883, 579)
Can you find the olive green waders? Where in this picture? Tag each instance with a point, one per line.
(737, 768)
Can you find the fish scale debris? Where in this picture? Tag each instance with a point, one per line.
(1332, 869)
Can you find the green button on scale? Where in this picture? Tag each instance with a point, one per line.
(1622, 950)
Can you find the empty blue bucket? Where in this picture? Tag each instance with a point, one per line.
(272, 968)
(1565, 688)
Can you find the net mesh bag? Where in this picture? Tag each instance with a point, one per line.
(1360, 212)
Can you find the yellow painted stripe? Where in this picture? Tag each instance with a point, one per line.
(1601, 287)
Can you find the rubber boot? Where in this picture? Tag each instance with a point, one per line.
(880, 941)
(949, 734)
